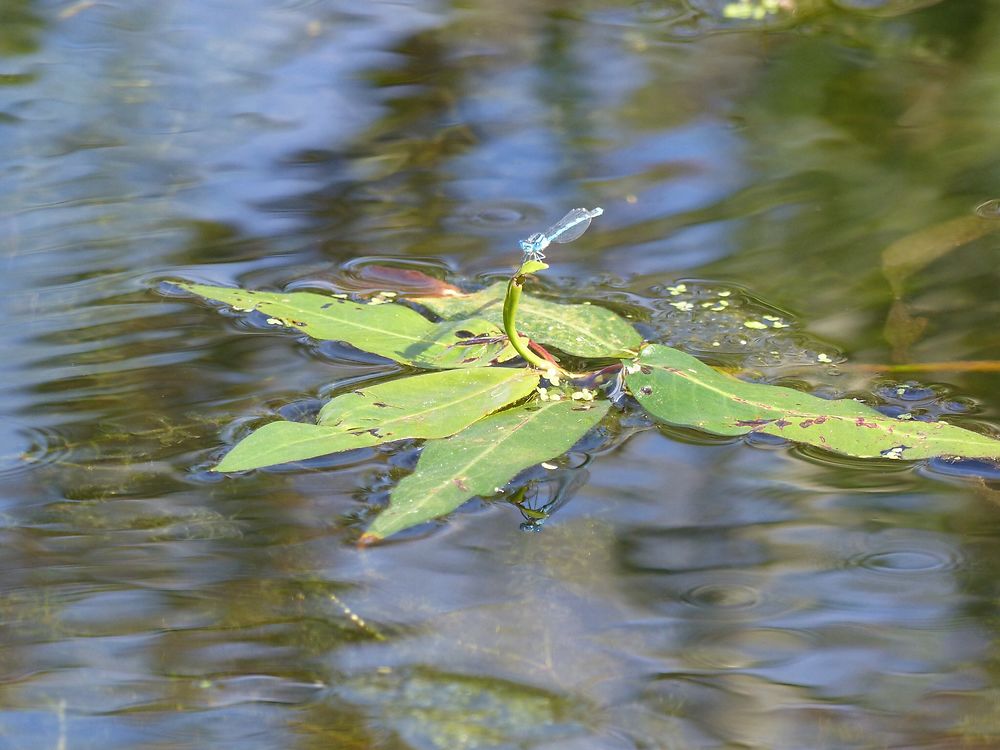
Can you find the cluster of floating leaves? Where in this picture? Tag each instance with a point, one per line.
(480, 434)
(727, 322)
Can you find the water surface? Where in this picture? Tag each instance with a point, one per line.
(689, 592)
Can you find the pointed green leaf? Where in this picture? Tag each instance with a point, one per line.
(388, 329)
(679, 389)
(281, 442)
(578, 329)
(434, 405)
(531, 266)
(483, 458)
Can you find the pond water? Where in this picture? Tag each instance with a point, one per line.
(688, 592)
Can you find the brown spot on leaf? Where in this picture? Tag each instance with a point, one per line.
(860, 422)
(460, 483)
(646, 369)
(463, 334)
(646, 390)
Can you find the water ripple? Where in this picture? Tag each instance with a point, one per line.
(723, 596)
(729, 596)
(749, 648)
(498, 216)
(27, 448)
(909, 554)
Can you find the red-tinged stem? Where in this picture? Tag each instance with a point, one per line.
(541, 350)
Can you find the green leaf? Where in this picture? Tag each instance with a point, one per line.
(389, 329)
(483, 458)
(531, 266)
(430, 406)
(678, 389)
(578, 329)
(434, 405)
(281, 442)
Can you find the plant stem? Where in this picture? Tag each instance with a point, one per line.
(510, 304)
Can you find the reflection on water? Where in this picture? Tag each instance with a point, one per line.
(689, 592)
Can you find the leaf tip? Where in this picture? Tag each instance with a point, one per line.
(368, 539)
(531, 266)
(225, 467)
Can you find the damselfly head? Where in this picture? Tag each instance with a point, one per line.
(534, 243)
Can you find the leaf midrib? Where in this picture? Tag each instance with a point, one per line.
(491, 447)
(755, 403)
(440, 406)
(272, 298)
(323, 314)
(538, 310)
(878, 417)
(553, 320)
